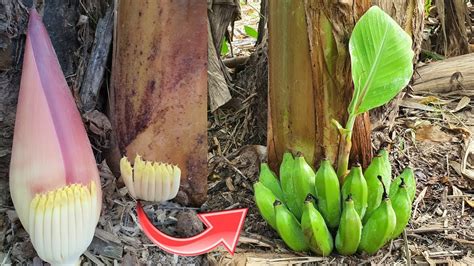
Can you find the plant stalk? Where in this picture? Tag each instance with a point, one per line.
(345, 145)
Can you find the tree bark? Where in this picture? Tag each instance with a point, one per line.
(262, 23)
(310, 79)
(221, 14)
(219, 92)
(453, 39)
(159, 88)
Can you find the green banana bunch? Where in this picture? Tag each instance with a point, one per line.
(288, 185)
(289, 228)
(374, 187)
(355, 185)
(264, 198)
(268, 178)
(303, 178)
(365, 197)
(402, 206)
(316, 233)
(350, 229)
(328, 193)
(379, 227)
(409, 177)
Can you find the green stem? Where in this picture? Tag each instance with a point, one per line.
(345, 146)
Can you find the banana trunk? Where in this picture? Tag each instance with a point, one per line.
(159, 88)
(310, 79)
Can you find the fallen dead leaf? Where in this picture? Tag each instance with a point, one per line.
(457, 167)
(470, 202)
(229, 184)
(457, 191)
(432, 133)
(465, 161)
(415, 105)
(462, 103)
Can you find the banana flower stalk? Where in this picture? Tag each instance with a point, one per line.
(54, 181)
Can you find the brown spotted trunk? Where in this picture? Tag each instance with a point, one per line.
(159, 88)
(453, 38)
(310, 79)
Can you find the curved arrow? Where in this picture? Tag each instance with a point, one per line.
(223, 227)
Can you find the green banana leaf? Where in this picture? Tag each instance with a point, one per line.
(251, 32)
(381, 58)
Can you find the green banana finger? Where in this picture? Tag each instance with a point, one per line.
(268, 178)
(316, 233)
(288, 185)
(379, 227)
(289, 228)
(386, 169)
(303, 179)
(402, 206)
(350, 229)
(328, 193)
(355, 185)
(374, 187)
(409, 177)
(264, 198)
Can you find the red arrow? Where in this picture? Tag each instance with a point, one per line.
(223, 227)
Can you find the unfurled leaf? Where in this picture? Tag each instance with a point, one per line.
(381, 58)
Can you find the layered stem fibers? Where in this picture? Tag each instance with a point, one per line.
(310, 79)
(159, 88)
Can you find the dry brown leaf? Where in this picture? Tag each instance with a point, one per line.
(470, 202)
(462, 103)
(432, 100)
(429, 99)
(457, 191)
(456, 166)
(415, 105)
(229, 184)
(465, 163)
(432, 133)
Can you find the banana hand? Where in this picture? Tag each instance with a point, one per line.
(356, 186)
(379, 227)
(288, 184)
(350, 229)
(268, 178)
(402, 206)
(289, 228)
(386, 169)
(264, 198)
(316, 233)
(328, 193)
(303, 178)
(374, 187)
(409, 177)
